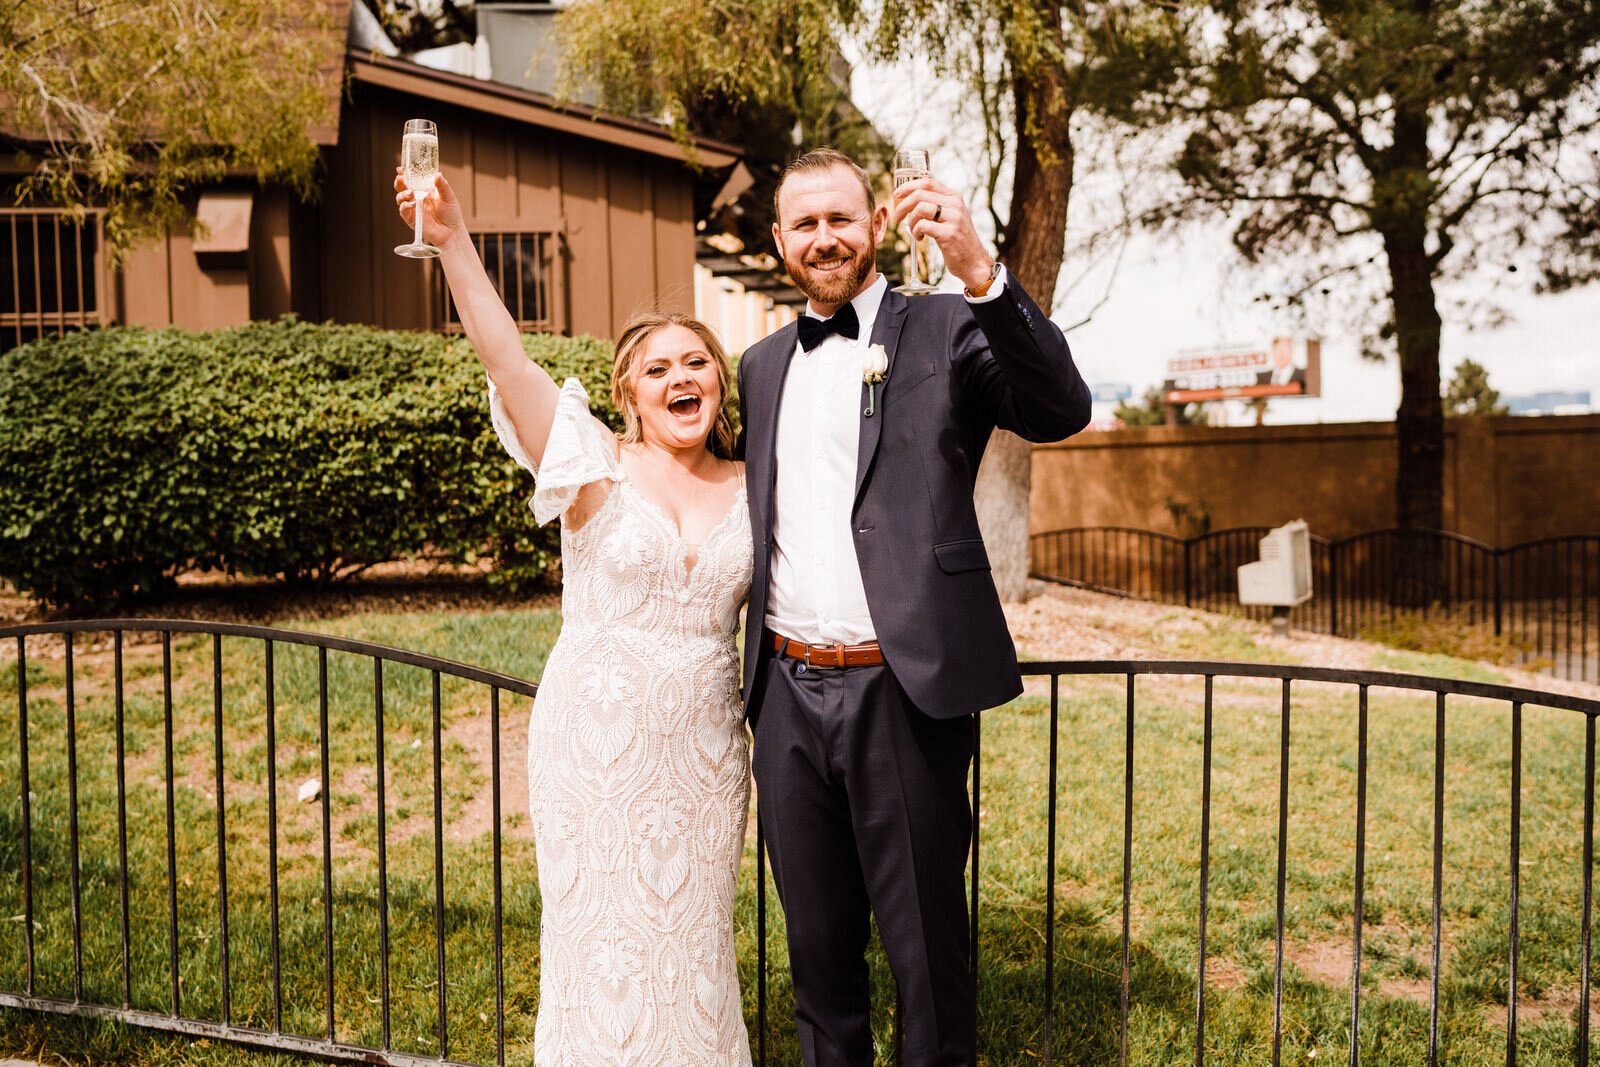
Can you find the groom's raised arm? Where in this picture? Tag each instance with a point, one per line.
(1013, 362)
(1016, 367)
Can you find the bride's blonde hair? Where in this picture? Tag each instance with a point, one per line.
(632, 342)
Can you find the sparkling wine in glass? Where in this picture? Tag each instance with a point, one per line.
(419, 166)
(909, 165)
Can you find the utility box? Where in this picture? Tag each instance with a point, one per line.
(1281, 579)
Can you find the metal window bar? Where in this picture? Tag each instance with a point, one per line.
(1130, 671)
(519, 265)
(72, 302)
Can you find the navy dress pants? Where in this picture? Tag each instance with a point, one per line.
(863, 802)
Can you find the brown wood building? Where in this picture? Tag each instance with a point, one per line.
(583, 220)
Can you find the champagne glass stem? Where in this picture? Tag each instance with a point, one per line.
(417, 200)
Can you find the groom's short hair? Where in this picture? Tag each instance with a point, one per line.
(822, 159)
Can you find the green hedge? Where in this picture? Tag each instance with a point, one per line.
(278, 448)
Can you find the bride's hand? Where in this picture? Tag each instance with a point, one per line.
(441, 212)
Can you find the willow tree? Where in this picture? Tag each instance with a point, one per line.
(126, 106)
(768, 75)
(1424, 138)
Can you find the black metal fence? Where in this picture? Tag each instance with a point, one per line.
(117, 947)
(1543, 597)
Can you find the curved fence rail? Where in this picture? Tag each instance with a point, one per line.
(112, 972)
(1542, 598)
(1140, 824)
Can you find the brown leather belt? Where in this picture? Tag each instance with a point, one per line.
(867, 655)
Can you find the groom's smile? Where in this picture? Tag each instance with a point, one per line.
(827, 233)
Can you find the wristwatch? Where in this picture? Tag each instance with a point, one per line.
(982, 289)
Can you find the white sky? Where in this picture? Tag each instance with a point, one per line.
(1171, 294)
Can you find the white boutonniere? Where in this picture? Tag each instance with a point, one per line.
(874, 365)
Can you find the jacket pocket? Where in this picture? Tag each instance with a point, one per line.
(957, 556)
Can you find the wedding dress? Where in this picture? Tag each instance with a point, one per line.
(638, 769)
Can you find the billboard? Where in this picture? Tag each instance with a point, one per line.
(1286, 367)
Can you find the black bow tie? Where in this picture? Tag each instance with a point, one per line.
(813, 330)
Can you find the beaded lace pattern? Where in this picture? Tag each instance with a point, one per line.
(638, 769)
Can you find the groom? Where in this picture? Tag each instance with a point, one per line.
(874, 630)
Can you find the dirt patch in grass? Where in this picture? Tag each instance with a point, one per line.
(1063, 623)
(1563, 1003)
(475, 732)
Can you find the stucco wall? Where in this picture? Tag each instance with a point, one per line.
(1507, 479)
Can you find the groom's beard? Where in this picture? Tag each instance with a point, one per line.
(834, 288)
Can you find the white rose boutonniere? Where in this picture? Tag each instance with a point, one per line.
(874, 365)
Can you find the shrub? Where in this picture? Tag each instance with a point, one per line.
(277, 448)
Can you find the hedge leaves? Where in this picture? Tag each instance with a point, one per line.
(278, 448)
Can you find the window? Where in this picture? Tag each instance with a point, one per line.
(520, 266)
(50, 275)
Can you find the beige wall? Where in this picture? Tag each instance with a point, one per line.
(1507, 479)
(740, 317)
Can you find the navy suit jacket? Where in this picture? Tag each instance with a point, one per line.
(956, 371)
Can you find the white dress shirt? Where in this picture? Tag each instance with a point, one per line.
(816, 594)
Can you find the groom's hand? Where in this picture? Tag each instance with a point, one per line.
(937, 211)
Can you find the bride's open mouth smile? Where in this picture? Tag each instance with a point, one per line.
(684, 405)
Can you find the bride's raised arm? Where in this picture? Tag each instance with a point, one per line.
(526, 389)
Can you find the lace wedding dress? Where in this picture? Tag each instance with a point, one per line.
(638, 770)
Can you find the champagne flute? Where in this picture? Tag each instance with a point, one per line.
(909, 165)
(419, 166)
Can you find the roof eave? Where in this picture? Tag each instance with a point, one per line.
(535, 109)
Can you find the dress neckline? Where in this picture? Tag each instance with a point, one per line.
(686, 547)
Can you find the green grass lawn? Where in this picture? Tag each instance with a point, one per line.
(1164, 893)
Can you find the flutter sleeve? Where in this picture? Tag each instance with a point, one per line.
(578, 452)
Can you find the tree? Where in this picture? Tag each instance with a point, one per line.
(766, 76)
(124, 105)
(1437, 134)
(768, 66)
(1152, 411)
(415, 25)
(1469, 392)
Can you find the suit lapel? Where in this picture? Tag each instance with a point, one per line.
(771, 370)
(885, 332)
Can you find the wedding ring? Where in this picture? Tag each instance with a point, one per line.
(938, 211)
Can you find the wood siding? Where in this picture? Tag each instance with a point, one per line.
(623, 221)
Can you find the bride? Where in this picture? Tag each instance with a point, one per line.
(638, 759)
